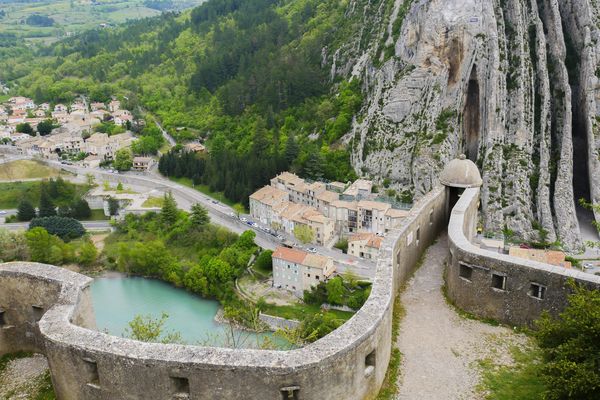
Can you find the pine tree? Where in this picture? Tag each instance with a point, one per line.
(291, 149)
(169, 211)
(46, 208)
(25, 212)
(81, 209)
(199, 216)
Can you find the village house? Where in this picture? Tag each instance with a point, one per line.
(95, 106)
(121, 117)
(262, 202)
(44, 107)
(297, 270)
(78, 106)
(60, 108)
(552, 257)
(104, 146)
(114, 105)
(195, 147)
(142, 163)
(91, 161)
(21, 103)
(39, 113)
(364, 245)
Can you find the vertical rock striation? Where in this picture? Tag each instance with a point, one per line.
(510, 83)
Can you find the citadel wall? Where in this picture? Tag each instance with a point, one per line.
(475, 276)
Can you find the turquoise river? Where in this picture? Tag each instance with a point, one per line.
(118, 299)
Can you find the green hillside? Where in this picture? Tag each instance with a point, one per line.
(247, 76)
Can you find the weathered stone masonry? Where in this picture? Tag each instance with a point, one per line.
(490, 285)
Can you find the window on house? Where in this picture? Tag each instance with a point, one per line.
(465, 271)
(38, 312)
(499, 281)
(180, 387)
(309, 275)
(2, 318)
(91, 372)
(290, 393)
(538, 291)
(370, 363)
(317, 277)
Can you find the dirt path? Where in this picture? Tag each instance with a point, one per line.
(21, 378)
(439, 348)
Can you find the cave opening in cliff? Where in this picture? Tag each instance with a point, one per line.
(471, 117)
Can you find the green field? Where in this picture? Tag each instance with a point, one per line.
(219, 196)
(26, 169)
(73, 16)
(11, 193)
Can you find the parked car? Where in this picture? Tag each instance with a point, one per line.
(249, 223)
(243, 219)
(279, 237)
(2, 212)
(254, 224)
(311, 250)
(588, 266)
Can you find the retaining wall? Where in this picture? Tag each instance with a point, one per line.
(473, 272)
(350, 363)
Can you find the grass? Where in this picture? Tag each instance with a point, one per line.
(299, 311)
(389, 387)
(521, 381)
(26, 169)
(11, 193)
(153, 202)
(97, 215)
(45, 388)
(219, 196)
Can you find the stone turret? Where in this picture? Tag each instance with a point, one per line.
(461, 173)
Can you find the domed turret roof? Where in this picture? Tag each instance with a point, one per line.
(461, 173)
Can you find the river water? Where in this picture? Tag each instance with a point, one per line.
(118, 299)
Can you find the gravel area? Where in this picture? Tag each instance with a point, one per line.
(20, 378)
(440, 349)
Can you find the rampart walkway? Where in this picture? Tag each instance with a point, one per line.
(440, 349)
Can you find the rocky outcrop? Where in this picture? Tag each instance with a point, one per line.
(510, 83)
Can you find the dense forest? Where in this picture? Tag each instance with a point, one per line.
(245, 76)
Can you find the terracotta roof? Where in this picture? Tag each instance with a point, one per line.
(291, 255)
(269, 195)
(351, 205)
(374, 205)
(316, 261)
(328, 196)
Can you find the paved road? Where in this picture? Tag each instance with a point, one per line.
(220, 213)
(20, 226)
(165, 134)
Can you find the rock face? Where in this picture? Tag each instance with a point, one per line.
(510, 83)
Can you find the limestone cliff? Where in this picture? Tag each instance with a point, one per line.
(510, 83)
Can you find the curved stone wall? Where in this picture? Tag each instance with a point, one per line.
(350, 363)
(475, 276)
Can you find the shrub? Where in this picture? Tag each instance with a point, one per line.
(64, 227)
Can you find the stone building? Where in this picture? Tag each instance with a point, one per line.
(296, 270)
(364, 245)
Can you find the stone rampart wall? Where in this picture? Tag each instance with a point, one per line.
(491, 285)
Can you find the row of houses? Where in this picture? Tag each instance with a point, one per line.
(98, 146)
(331, 210)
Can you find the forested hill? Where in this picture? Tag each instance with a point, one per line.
(252, 76)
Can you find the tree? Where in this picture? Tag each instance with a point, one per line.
(25, 128)
(80, 209)
(335, 291)
(87, 253)
(113, 206)
(25, 212)
(46, 207)
(199, 216)
(570, 347)
(45, 127)
(90, 179)
(64, 227)
(43, 246)
(169, 212)
(119, 187)
(304, 234)
(238, 209)
(264, 261)
(123, 159)
(145, 328)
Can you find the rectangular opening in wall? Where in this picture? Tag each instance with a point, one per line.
(418, 235)
(2, 318)
(290, 393)
(91, 372)
(465, 271)
(538, 291)
(38, 312)
(180, 387)
(431, 217)
(499, 281)
(370, 360)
